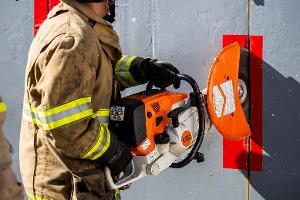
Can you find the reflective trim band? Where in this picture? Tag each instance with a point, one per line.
(122, 71)
(28, 113)
(60, 115)
(66, 106)
(118, 69)
(36, 197)
(2, 107)
(101, 144)
(117, 194)
(66, 120)
(102, 115)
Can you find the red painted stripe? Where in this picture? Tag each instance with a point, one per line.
(235, 154)
(40, 13)
(256, 150)
(41, 9)
(53, 3)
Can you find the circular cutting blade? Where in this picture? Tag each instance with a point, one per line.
(244, 84)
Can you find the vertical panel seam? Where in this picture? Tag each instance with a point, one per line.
(155, 18)
(248, 141)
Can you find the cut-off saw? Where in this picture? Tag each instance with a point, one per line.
(165, 129)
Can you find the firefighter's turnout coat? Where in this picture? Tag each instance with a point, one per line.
(74, 71)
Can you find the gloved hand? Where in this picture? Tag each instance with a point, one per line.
(161, 74)
(128, 170)
(120, 160)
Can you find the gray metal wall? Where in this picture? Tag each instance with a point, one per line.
(189, 34)
(16, 33)
(279, 23)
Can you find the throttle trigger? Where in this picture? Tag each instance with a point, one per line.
(174, 115)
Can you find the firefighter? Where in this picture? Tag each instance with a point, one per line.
(9, 187)
(75, 70)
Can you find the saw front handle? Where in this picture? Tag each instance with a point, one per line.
(136, 174)
(142, 166)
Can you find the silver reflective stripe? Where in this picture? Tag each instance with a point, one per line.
(122, 71)
(123, 66)
(60, 115)
(63, 114)
(102, 119)
(28, 114)
(102, 115)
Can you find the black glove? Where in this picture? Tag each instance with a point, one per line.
(127, 172)
(120, 160)
(118, 157)
(161, 74)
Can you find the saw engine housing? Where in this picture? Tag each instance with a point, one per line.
(140, 120)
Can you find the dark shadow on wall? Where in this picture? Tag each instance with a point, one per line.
(280, 178)
(259, 2)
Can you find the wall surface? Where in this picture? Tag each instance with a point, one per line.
(279, 23)
(16, 33)
(189, 34)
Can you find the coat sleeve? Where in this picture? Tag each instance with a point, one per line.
(62, 100)
(129, 71)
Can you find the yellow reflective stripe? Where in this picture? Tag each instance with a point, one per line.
(97, 145)
(102, 116)
(122, 71)
(60, 115)
(2, 107)
(66, 120)
(118, 65)
(36, 197)
(117, 194)
(101, 113)
(105, 147)
(130, 79)
(64, 107)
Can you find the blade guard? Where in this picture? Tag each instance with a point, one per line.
(223, 101)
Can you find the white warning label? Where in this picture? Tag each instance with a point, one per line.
(146, 144)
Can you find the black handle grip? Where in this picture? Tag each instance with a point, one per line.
(174, 116)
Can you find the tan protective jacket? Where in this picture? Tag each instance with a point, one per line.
(69, 86)
(9, 187)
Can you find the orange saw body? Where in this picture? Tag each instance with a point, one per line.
(149, 110)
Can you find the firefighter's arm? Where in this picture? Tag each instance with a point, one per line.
(65, 110)
(132, 71)
(2, 111)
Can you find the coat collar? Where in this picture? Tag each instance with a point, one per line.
(85, 10)
(107, 36)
